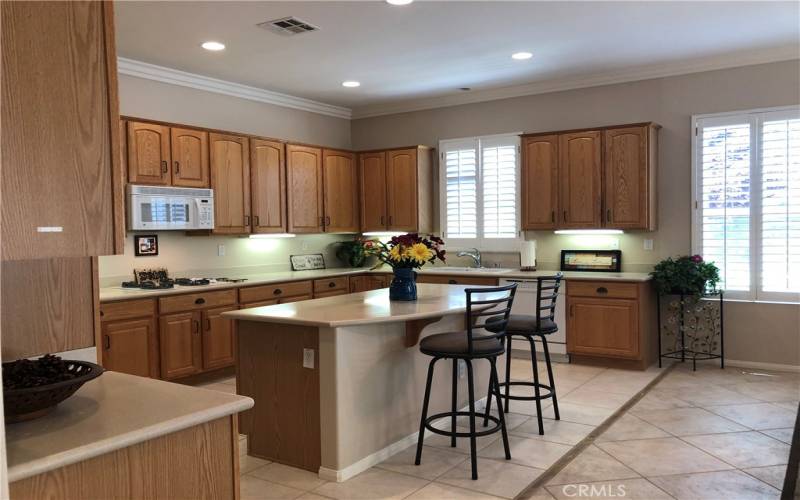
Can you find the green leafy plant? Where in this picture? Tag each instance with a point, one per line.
(688, 275)
(352, 252)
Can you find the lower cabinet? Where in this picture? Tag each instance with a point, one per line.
(219, 339)
(131, 346)
(456, 280)
(368, 282)
(181, 344)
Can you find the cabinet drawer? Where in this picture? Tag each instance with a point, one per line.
(457, 280)
(331, 284)
(276, 291)
(192, 301)
(127, 309)
(610, 289)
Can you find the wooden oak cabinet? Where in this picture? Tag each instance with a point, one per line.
(304, 189)
(230, 179)
(540, 182)
(189, 150)
(219, 339)
(373, 188)
(61, 182)
(149, 153)
(401, 199)
(181, 344)
(268, 186)
(340, 191)
(630, 177)
(131, 346)
(368, 282)
(580, 179)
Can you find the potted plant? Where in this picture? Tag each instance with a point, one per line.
(405, 254)
(352, 253)
(685, 275)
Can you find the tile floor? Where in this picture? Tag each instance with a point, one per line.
(705, 435)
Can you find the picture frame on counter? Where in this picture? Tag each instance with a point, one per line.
(145, 245)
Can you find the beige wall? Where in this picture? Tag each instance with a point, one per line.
(668, 101)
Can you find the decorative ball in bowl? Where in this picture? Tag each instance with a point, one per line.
(33, 388)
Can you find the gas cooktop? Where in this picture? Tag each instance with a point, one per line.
(165, 283)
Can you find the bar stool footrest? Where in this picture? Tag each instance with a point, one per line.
(549, 394)
(478, 417)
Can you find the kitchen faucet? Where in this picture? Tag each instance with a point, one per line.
(474, 253)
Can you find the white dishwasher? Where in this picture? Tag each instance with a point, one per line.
(525, 303)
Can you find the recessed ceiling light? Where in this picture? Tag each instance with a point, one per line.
(521, 56)
(213, 46)
(399, 2)
(351, 83)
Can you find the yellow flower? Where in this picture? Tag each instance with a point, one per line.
(420, 253)
(395, 255)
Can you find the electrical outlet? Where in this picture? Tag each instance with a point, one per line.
(221, 250)
(308, 358)
(648, 244)
(614, 243)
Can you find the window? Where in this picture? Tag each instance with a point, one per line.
(747, 201)
(479, 191)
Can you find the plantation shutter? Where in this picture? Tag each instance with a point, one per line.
(461, 189)
(499, 168)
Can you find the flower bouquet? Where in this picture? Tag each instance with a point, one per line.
(405, 254)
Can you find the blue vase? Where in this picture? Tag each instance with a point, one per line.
(404, 285)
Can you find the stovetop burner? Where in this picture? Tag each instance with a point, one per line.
(192, 281)
(149, 284)
(230, 280)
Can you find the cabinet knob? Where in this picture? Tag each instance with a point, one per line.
(602, 290)
(277, 291)
(199, 301)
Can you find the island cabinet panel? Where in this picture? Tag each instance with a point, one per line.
(149, 153)
(131, 346)
(181, 344)
(340, 191)
(580, 179)
(230, 179)
(198, 462)
(219, 339)
(630, 175)
(304, 187)
(287, 412)
(401, 181)
(539, 182)
(372, 184)
(189, 158)
(59, 140)
(368, 282)
(268, 186)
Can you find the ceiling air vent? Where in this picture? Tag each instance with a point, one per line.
(288, 26)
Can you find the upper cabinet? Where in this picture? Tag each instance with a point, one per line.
(61, 178)
(304, 187)
(189, 157)
(167, 156)
(230, 179)
(268, 186)
(340, 191)
(603, 178)
(396, 190)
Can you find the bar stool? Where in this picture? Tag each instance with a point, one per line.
(530, 327)
(473, 344)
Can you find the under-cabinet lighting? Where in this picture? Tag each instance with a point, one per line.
(270, 236)
(589, 231)
(383, 233)
(399, 2)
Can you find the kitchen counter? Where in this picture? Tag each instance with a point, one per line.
(115, 293)
(109, 413)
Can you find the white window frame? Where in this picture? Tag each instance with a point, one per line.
(755, 118)
(479, 242)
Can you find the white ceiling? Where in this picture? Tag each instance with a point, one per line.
(428, 50)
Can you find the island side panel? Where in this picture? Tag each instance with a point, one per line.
(284, 424)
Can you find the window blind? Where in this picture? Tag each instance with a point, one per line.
(499, 161)
(461, 192)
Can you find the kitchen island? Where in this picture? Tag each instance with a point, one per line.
(338, 382)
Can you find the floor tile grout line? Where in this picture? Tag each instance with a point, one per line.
(743, 471)
(597, 431)
(711, 454)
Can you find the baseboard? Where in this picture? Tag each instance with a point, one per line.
(379, 456)
(763, 366)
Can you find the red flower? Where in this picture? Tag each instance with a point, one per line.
(697, 259)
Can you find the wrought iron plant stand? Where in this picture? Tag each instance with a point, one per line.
(691, 327)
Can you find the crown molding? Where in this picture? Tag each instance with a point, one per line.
(677, 68)
(149, 71)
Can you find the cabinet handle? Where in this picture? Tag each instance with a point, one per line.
(382, 219)
(177, 168)
(571, 311)
(106, 342)
(255, 221)
(390, 220)
(322, 221)
(602, 290)
(328, 220)
(196, 326)
(608, 215)
(246, 220)
(164, 166)
(102, 314)
(199, 301)
(208, 325)
(452, 282)
(565, 216)
(553, 216)
(277, 291)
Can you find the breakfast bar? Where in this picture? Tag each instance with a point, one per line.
(338, 382)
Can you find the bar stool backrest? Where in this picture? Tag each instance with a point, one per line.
(546, 295)
(484, 303)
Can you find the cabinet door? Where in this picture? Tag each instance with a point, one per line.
(340, 191)
(401, 179)
(367, 283)
(59, 140)
(268, 186)
(603, 327)
(373, 191)
(230, 179)
(627, 178)
(539, 182)
(304, 180)
(148, 154)
(219, 341)
(131, 346)
(580, 179)
(180, 344)
(189, 158)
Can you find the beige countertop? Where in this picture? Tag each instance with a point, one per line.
(111, 412)
(115, 293)
(373, 307)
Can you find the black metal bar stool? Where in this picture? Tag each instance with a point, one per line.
(474, 343)
(530, 327)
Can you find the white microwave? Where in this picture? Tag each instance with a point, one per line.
(169, 208)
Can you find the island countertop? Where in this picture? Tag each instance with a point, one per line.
(361, 308)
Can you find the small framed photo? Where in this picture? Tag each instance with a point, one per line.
(145, 245)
